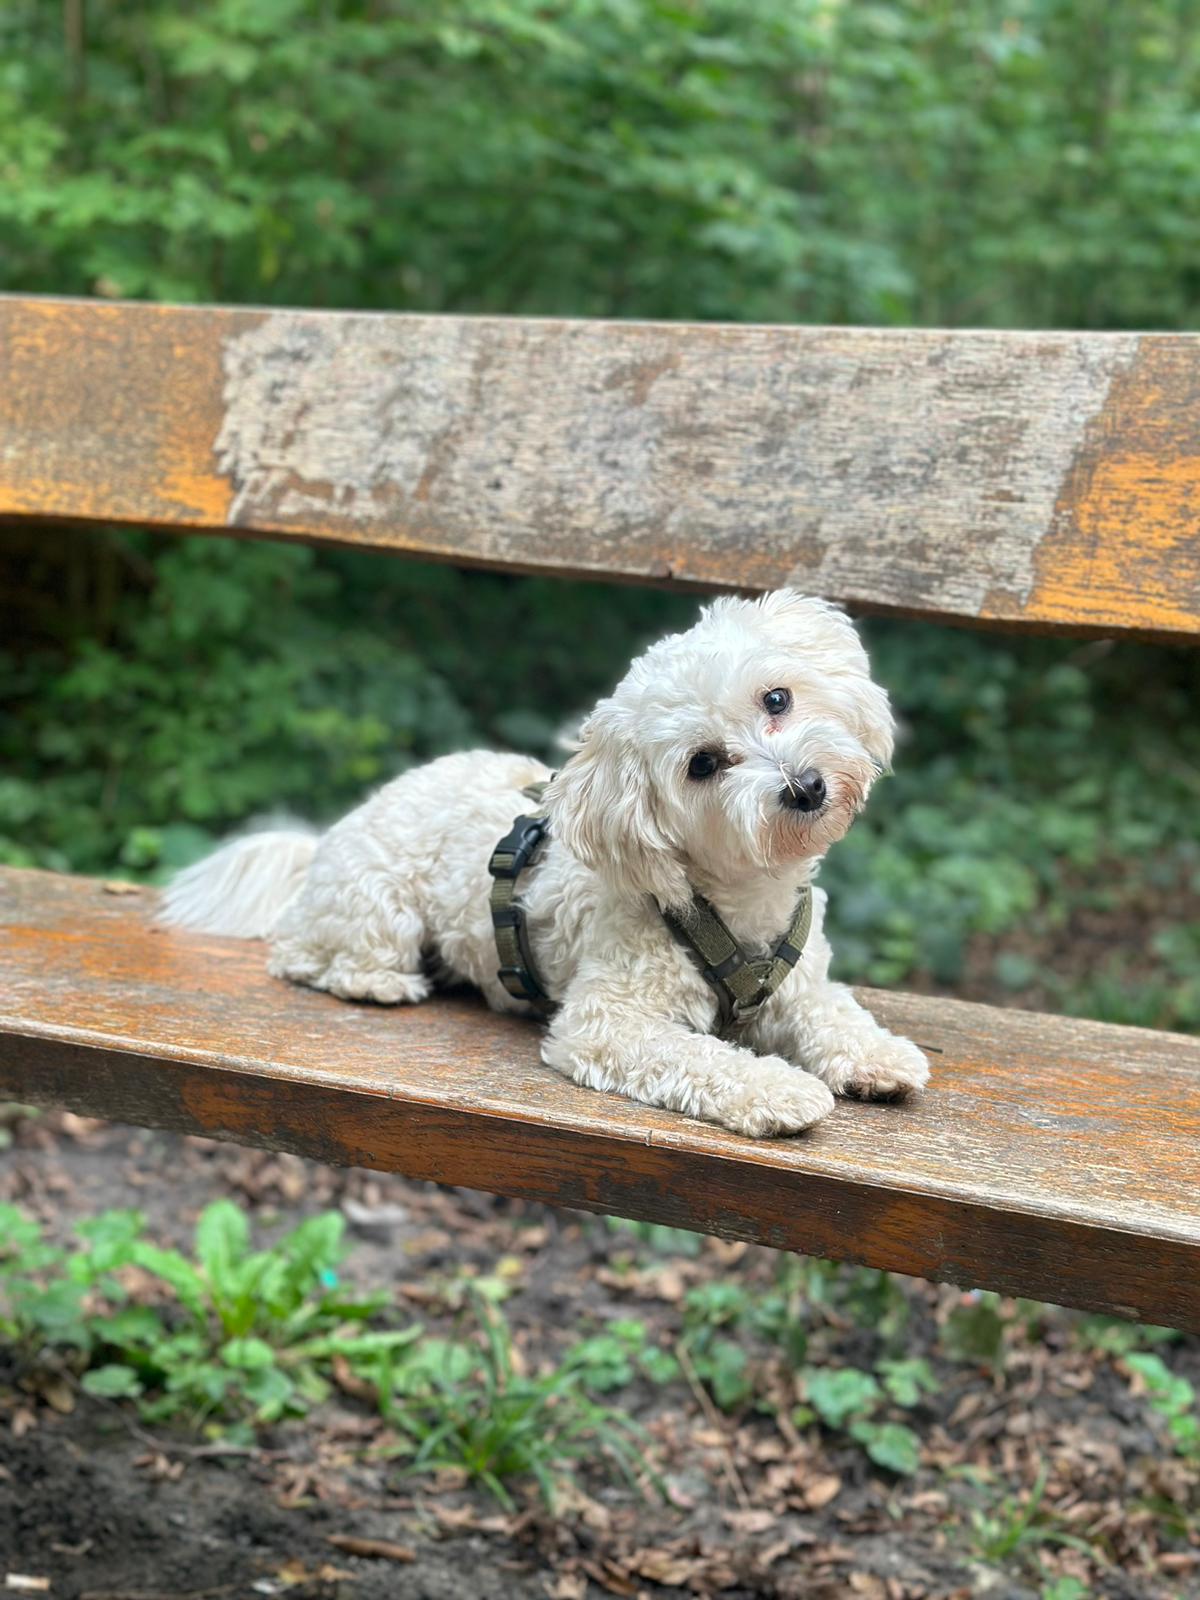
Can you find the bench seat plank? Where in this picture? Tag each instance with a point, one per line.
(1030, 479)
(1052, 1158)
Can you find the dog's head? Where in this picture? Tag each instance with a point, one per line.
(745, 745)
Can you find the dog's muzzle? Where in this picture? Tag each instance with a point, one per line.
(803, 793)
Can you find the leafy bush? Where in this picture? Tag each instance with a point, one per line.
(235, 1337)
(783, 160)
(466, 1406)
(237, 686)
(845, 1398)
(1173, 1398)
(242, 1333)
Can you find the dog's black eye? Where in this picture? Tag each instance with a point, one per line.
(777, 701)
(703, 764)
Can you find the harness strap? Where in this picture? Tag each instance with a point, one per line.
(519, 849)
(742, 987)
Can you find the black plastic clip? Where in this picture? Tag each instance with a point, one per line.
(515, 851)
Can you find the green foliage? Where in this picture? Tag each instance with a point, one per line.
(513, 155)
(1021, 778)
(839, 1394)
(1173, 1398)
(907, 1380)
(1113, 1336)
(723, 1319)
(612, 1359)
(469, 1407)
(243, 1336)
(660, 1238)
(1011, 1532)
(854, 1402)
(1064, 1588)
(238, 687)
(238, 1337)
(977, 1329)
(974, 1330)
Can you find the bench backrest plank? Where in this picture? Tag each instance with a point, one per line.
(1036, 479)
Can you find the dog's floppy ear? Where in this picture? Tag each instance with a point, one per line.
(804, 622)
(601, 805)
(876, 726)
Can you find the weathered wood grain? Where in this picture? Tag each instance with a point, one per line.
(1029, 479)
(1052, 1158)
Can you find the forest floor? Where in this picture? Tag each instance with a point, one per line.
(1045, 1468)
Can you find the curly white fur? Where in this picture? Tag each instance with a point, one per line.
(396, 894)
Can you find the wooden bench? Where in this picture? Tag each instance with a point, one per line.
(1042, 481)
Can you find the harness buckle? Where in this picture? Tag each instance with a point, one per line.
(515, 851)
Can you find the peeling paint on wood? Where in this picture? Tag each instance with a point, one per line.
(1037, 479)
(1050, 1157)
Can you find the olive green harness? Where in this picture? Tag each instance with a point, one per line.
(519, 848)
(741, 985)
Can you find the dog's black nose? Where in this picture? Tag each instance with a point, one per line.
(805, 793)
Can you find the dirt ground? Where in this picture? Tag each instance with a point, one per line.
(97, 1505)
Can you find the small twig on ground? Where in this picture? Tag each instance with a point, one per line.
(715, 1421)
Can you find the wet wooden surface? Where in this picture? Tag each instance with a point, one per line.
(1052, 1158)
(1034, 479)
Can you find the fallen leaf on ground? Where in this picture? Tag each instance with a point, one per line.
(159, 1465)
(383, 1549)
(349, 1382)
(662, 1567)
(82, 1129)
(455, 1516)
(608, 1577)
(755, 1521)
(820, 1491)
(58, 1394)
(295, 1572)
(866, 1583)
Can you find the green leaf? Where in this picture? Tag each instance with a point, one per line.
(222, 1241)
(837, 1395)
(113, 1382)
(1065, 1588)
(111, 1237)
(247, 1353)
(272, 1392)
(354, 1346)
(905, 1381)
(57, 1312)
(889, 1444)
(175, 1270)
(17, 1232)
(131, 1325)
(726, 1368)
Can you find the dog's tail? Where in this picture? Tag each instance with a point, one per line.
(244, 887)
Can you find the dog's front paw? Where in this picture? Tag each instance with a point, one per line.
(887, 1068)
(776, 1101)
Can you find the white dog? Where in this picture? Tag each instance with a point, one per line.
(724, 765)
